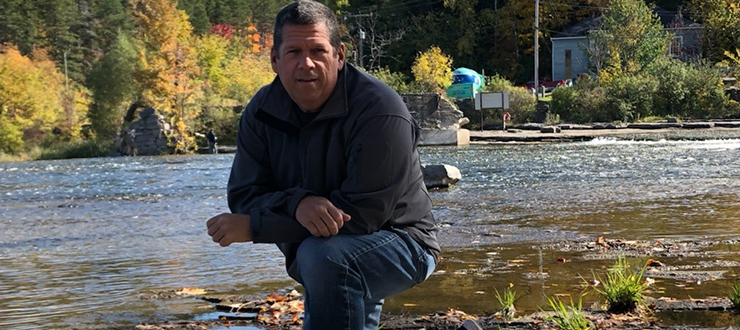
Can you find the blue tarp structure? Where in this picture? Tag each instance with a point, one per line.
(465, 84)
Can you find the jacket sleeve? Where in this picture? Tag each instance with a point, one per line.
(251, 191)
(380, 170)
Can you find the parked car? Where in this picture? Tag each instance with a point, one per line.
(548, 84)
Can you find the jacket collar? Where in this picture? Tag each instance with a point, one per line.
(279, 104)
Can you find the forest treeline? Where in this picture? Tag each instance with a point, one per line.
(71, 70)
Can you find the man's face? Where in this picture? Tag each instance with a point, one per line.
(307, 64)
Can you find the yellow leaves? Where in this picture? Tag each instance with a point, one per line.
(734, 58)
(433, 69)
(246, 75)
(30, 89)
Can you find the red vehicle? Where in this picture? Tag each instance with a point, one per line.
(548, 84)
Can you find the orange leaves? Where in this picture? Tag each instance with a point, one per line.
(281, 310)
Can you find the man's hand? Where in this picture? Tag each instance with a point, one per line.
(320, 216)
(227, 228)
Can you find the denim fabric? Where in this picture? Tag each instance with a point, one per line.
(346, 277)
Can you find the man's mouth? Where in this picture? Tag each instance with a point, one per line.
(307, 80)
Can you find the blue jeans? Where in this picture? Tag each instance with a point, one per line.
(346, 277)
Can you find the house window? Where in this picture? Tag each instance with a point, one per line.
(676, 46)
(568, 66)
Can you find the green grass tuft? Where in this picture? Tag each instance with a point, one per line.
(623, 287)
(569, 317)
(506, 301)
(735, 295)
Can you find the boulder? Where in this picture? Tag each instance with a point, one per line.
(440, 176)
(147, 136)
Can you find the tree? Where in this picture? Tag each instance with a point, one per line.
(721, 20)
(20, 25)
(197, 15)
(631, 36)
(30, 96)
(376, 41)
(433, 69)
(112, 83)
(246, 75)
(167, 64)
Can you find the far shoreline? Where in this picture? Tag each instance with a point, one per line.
(531, 133)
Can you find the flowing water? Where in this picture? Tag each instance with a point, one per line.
(85, 242)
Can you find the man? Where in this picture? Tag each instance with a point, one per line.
(327, 168)
(211, 137)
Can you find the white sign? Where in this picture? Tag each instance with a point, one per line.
(492, 100)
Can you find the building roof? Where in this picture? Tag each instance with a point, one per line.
(669, 20)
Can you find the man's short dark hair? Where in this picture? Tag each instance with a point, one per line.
(307, 12)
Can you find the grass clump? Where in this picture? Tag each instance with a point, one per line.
(735, 295)
(569, 317)
(506, 301)
(623, 287)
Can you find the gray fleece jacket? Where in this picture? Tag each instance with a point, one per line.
(360, 152)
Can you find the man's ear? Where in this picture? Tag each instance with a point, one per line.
(340, 55)
(273, 59)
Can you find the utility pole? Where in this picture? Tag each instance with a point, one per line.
(66, 74)
(362, 40)
(536, 48)
(362, 32)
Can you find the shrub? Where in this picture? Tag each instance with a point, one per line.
(395, 80)
(565, 102)
(521, 105)
(693, 90)
(11, 138)
(77, 149)
(707, 98)
(631, 97)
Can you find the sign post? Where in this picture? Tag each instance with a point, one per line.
(492, 100)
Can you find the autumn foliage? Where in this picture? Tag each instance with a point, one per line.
(433, 69)
(30, 96)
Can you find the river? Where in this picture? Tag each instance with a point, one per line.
(84, 241)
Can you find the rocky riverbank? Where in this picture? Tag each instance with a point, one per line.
(638, 131)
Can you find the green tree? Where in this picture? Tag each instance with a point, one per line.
(197, 15)
(20, 25)
(113, 86)
(631, 36)
(721, 21)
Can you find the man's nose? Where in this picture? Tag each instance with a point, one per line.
(306, 62)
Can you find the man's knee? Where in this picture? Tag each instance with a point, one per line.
(318, 258)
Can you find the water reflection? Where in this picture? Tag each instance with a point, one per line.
(83, 241)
